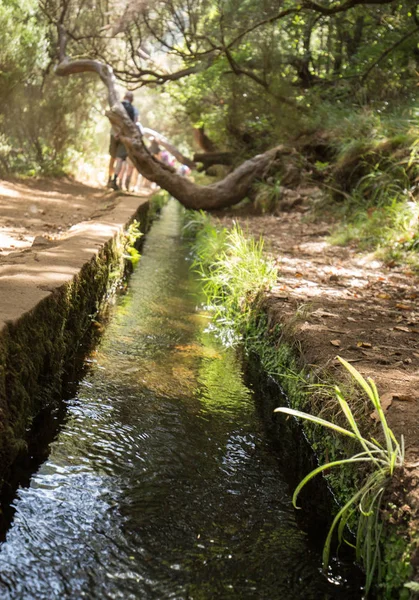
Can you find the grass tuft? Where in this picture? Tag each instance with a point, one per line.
(383, 460)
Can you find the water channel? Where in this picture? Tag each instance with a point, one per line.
(161, 482)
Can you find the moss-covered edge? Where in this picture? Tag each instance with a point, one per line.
(36, 350)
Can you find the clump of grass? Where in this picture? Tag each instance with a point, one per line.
(233, 269)
(392, 230)
(268, 194)
(383, 459)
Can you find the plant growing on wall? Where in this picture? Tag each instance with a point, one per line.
(383, 457)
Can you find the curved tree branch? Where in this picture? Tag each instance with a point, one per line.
(226, 192)
(86, 65)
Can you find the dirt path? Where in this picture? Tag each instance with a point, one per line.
(44, 208)
(338, 301)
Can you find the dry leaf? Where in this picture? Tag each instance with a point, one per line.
(335, 342)
(299, 275)
(364, 345)
(385, 401)
(405, 329)
(403, 306)
(384, 296)
(319, 312)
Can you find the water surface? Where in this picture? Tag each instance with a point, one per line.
(161, 483)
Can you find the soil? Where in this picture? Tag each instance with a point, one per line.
(337, 300)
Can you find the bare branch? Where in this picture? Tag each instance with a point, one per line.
(105, 72)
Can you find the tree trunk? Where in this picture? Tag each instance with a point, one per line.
(227, 192)
(209, 159)
(163, 141)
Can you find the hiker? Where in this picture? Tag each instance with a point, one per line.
(120, 151)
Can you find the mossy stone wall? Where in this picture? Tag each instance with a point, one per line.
(36, 350)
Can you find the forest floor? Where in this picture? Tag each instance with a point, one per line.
(334, 300)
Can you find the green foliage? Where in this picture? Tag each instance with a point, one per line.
(412, 585)
(396, 565)
(156, 203)
(383, 458)
(373, 180)
(132, 235)
(234, 272)
(267, 195)
(45, 122)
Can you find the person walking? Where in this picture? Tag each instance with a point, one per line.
(120, 151)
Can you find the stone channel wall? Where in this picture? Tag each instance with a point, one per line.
(66, 285)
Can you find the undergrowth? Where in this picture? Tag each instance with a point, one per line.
(374, 179)
(234, 272)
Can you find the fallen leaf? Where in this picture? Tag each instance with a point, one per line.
(335, 342)
(384, 296)
(364, 345)
(403, 306)
(324, 313)
(385, 401)
(405, 329)
(351, 319)
(299, 275)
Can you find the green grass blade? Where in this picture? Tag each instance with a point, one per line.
(313, 419)
(324, 423)
(386, 430)
(363, 457)
(359, 379)
(342, 511)
(351, 420)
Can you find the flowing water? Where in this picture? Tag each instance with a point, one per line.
(161, 482)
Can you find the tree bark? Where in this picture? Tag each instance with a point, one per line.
(163, 141)
(227, 192)
(209, 159)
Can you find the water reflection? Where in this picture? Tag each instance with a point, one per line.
(161, 483)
